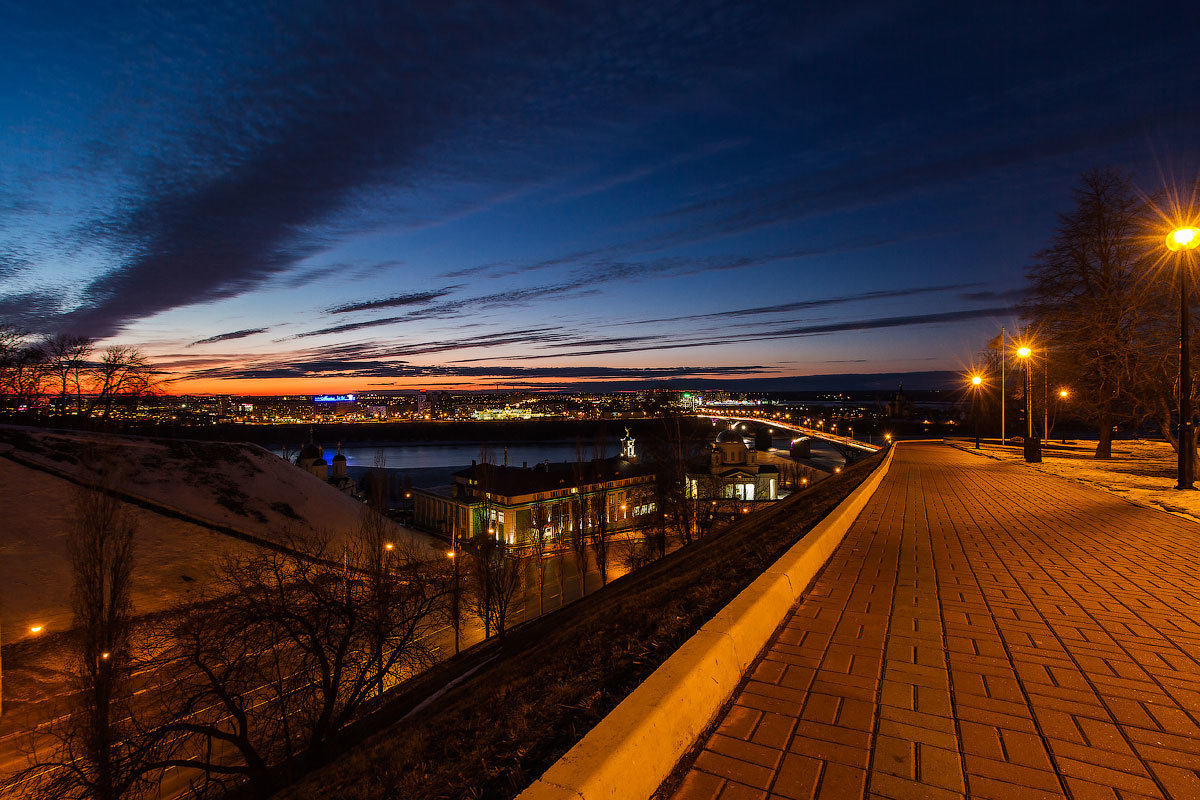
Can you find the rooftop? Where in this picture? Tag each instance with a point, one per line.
(550, 476)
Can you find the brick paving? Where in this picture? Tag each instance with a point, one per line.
(984, 630)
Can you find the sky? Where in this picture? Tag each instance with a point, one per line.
(301, 197)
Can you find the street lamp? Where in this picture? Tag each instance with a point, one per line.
(1184, 241)
(1063, 394)
(1033, 453)
(976, 383)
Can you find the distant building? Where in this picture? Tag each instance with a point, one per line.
(732, 472)
(499, 501)
(428, 403)
(899, 406)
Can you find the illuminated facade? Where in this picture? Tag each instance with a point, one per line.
(504, 502)
(732, 472)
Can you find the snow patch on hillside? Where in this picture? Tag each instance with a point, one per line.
(242, 487)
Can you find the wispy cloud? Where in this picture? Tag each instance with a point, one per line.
(395, 301)
(808, 305)
(989, 296)
(454, 308)
(781, 333)
(225, 337)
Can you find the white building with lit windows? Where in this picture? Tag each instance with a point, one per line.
(500, 501)
(732, 472)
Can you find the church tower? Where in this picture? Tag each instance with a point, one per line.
(628, 451)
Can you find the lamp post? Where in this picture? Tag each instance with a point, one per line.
(1063, 394)
(1184, 241)
(976, 383)
(1003, 398)
(1033, 452)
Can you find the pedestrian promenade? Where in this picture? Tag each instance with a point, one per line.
(984, 630)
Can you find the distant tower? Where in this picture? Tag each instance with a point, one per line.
(627, 447)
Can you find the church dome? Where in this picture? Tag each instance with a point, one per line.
(338, 457)
(310, 450)
(729, 436)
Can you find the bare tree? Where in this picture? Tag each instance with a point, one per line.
(578, 507)
(539, 530)
(455, 591)
(672, 454)
(67, 363)
(12, 341)
(1090, 304)
(269, 669)
(22, 367)
(600, 534)
(559, 521)
(577, 536)
(497, 577)
(98, 754)
(122, 371)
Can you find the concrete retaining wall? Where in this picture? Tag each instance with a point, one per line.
(633, 749)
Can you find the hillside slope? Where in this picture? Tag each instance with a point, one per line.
(183, 489)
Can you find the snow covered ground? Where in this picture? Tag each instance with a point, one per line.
(1141, 471)
(242, 487)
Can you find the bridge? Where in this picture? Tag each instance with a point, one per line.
(849, 448)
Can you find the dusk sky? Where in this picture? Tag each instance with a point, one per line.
(302, 197)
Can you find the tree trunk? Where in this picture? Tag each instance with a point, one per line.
(1104, 446)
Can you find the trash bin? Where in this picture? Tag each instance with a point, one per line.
(1033, 450)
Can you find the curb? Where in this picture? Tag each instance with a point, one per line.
(634, 748)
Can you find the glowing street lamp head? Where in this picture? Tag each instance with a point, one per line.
(1063, 393)
(976, 380)
(35, 628)
(1183, 239)
(1024, 352)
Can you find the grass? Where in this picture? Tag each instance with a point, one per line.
(556, 677)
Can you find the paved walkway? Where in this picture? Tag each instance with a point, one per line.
(984, 630)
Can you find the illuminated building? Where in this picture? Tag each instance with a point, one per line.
(732, 472)
(496, 500)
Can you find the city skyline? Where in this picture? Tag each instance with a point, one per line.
(302, 199)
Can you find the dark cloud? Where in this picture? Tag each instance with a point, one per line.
(311, 107)
(395, 301)
(334, 368)
(1010, 296)
(808, 305)
(29, 310)
(225, 337)
(453, 308)
(782, 333)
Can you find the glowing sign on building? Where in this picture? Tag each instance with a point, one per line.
(334, 398)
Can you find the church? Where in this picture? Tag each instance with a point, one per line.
(312, 460)
(732, 472)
